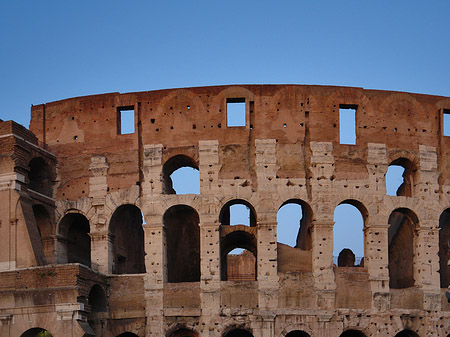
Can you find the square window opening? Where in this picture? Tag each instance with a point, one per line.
(236, 112)
(125, 120)
(347, 124)
(446, 121)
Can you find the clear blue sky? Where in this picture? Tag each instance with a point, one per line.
(53, 50)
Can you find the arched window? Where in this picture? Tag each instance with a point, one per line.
(444, 248)
(74, 228)
(183, 244)
(238, 333)
(128, 240)
(97, 299)
(297, 333)
(39, 176)
(400, 178)
(352, 333)
(238, 265)
(36, 332)
(348, 233)
(184, 333)
(406, 333)
(294, 224)
(127, 334)
(237, 212)
(401, 237)
(181, 176)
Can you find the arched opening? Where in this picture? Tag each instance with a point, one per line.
(127, 334)
(74, 229)
(238, 265)
(406, 333)
(183, 244)
(294, 224)
(98, 313)
(45, 229)
(348, 233)
(297, 333)
(352, 333)
(400, 178)
(36, 332)
(127, 240)
(238, 333)
(39, 176)
(444, 248)
(181, 176)
(401, 240)
(184, 333)
(237, 212)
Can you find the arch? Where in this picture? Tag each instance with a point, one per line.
(36, 332)
(297, 333)
(127, 334)
(352, 333)
(181, 223)
(401, 247)
(406, 333)
(238, 333)
(174, 164)
(225, 216)
(298, 213)
(350, 217)
(127, 233)
(444, 248)
(241, 267)
(97, 299)
(402, 173)
(40, 176)
(76, 244)
(183, 333)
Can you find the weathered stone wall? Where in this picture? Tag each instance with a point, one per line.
(288, 150)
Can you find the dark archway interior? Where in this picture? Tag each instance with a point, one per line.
(444, 247)
(352, 333)
(297, 333)
(406, 333)
(36, 332)
(183, 244)
(127, 334)
(238, 333)
(39, 176)
(75, 228)
(128, 240)
(184, 333)
(97, 299)
(402, 225)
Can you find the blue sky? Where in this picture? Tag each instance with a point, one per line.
(53, 50)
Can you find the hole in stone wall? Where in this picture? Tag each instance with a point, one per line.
(39, 176)
(297, 333)
(444, 247)
(97, 299)
(236, 112)
(348, 235)
(128, 240)
(183, 244)
(36, 332)
(184, 333)
(293, 228)
(238, 333)
(237, 212)
(402, 224)
(352, 333)
(181, 176)
(74, 228)
(347, 124)
(238, 254)
(406, 333)
(125, 120)
(400, 178)
(446, 122)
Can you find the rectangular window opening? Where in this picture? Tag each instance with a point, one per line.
(446, 121)
(125, 120)
(347, 124)
(236, 112)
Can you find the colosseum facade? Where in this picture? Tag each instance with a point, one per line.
(96, 242)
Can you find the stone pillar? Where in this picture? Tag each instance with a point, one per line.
(101, 255)
(322, 263)
(152, 170)
(377, 167)
(209, 166)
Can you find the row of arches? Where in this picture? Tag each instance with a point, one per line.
(239, 332)
(238, 245)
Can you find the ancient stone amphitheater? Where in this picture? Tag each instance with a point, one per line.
(96, 242)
